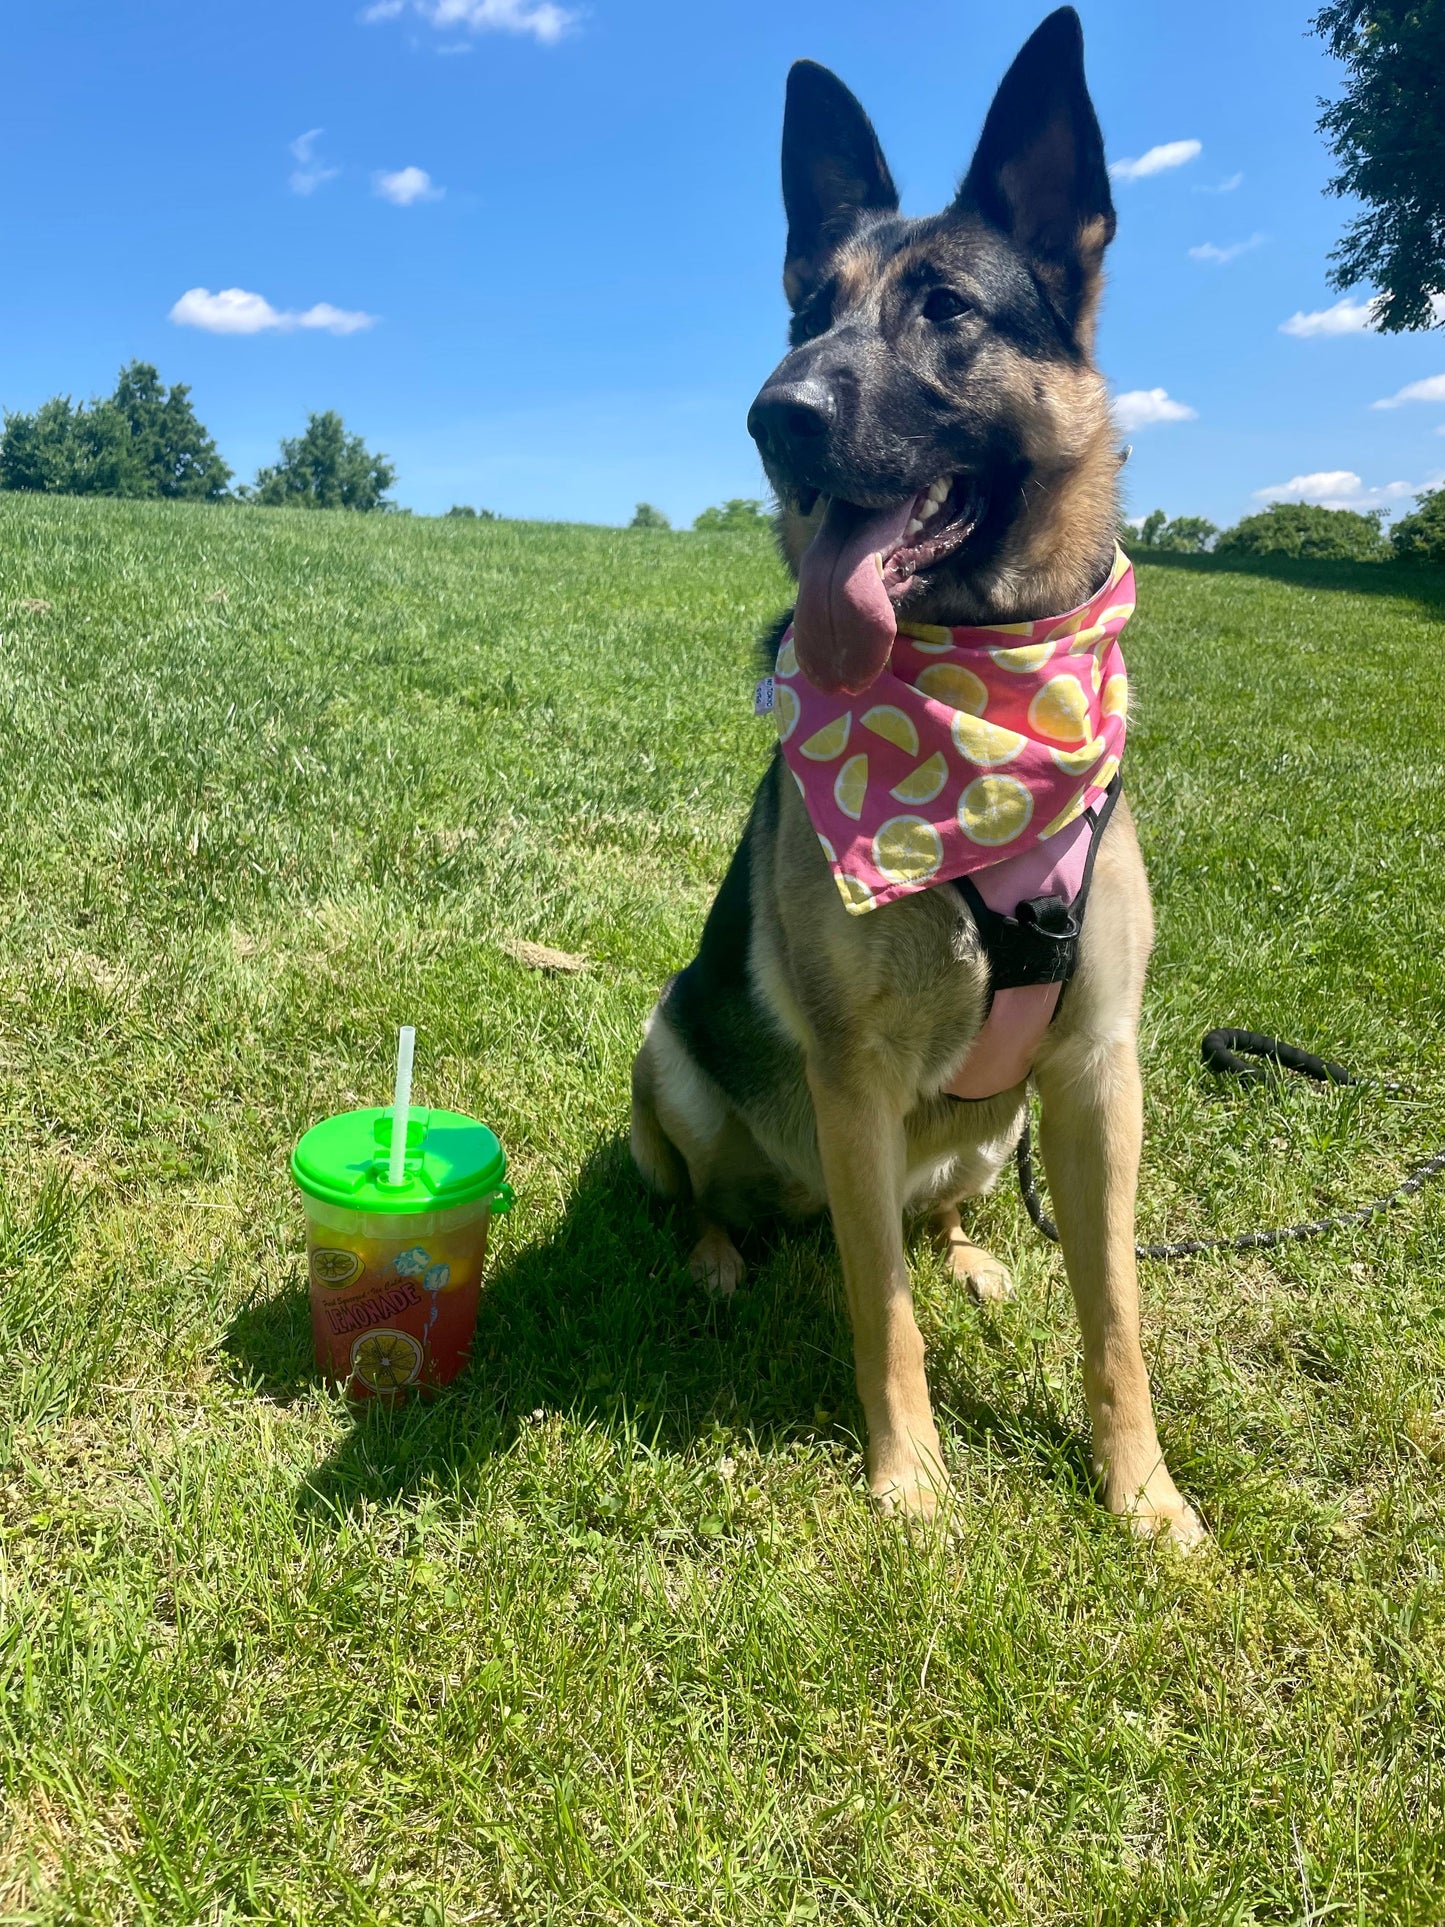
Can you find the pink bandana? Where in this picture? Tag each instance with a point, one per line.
(973, 746)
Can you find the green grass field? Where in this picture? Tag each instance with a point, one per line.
(607, 1633)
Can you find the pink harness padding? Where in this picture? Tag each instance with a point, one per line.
(1003, 1052)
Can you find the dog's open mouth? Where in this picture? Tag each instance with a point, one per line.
(860, 564)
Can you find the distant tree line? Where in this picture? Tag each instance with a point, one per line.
(145, 442)
(1302, 529)
(738, 513)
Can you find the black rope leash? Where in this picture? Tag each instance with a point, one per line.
(1225, 1053)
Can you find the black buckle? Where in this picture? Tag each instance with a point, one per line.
(1038, 945)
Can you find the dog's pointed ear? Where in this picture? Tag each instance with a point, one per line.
(1039, 172)
(833, 170)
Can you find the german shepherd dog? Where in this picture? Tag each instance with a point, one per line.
(799, 1062)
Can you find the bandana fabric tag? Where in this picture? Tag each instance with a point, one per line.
(764, 697)
(974, 745)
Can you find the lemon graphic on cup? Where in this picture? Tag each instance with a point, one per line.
(386, 1360)
(334, 1268)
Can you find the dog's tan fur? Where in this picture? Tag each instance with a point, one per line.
(883, 1008)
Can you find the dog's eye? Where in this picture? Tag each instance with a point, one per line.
(943, 304)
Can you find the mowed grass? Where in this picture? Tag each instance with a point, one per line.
(607, 1632)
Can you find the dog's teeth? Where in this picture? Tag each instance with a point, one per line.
(913, 527)
(928, 507)
(939, 490)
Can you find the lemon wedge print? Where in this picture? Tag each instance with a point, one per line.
(889, 722)
(907, 850)
(1116, 696)
(852, 786)
(1076, 761)
(1067, 815)
(856, 896)
(829, 741)
(1104, 775)
(1085, 639)
(923, 784)
(951, 683)
(386, 1360)
(1023, 660)
(787, 709)
(334, 1268)
(985, 744)
(1060, 710)
(924, 635)
(994, 810)
(787, 663)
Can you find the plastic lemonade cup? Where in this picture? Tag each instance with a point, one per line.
(396, 1267)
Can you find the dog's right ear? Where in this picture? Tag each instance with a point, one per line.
(833, 170)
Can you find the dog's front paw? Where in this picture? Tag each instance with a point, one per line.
(716, 1263)
(913, 1492)
(1158, 1511)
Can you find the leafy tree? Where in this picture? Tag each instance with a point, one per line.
(647, 517)
(738, 513)
(1420, 535)
(1302, 529)
(1387, 131)
(1185, 535)
(325, 469)
(140, 441)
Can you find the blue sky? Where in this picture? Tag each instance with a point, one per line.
(532, 248)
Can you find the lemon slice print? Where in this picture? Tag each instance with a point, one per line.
(1076, 761)
(787, 709)
(926, 636)
(829, 741)
(985, 744)
(889, 722)
(856, 896)
(1067, 815)
(951, 683)
(1060, 710)
(923, 784)
(1085, 639)
(787, 663)
(386, 1360)
(907, 849)
(334, 1268)
(994, 810)
(1023, 660)
(852, 786)
(1116, 696)
(1104, 775)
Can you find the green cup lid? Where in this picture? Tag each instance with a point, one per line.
(450, 1160)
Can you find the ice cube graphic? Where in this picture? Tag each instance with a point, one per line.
(438, 1278)
(411, 1264)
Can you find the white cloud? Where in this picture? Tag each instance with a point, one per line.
(1432, 388)
(1143, 407)
(234, 311)
(1157, 160)
(545, 20)
(1226, 186)
(1337, 488)
(406, 186)
(1221, 257)
(308, 173)
(1348, 317)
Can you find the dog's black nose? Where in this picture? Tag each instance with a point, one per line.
(792, 415)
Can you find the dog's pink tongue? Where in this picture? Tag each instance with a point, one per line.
(844, 625)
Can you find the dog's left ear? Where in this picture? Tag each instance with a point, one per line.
(1039, 171)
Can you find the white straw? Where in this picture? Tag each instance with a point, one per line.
(401, 1104)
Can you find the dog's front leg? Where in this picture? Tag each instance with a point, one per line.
(1091, 1132)
(861, 1143)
